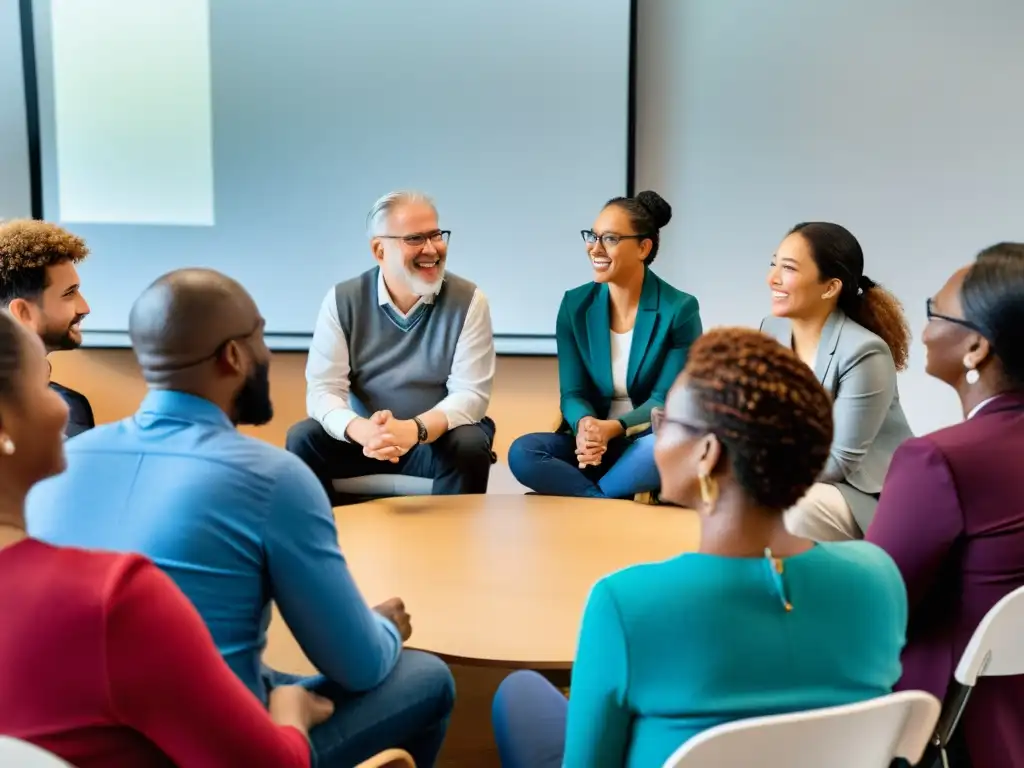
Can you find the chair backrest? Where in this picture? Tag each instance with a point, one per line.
(869, 734)
(15, 752)
(995, 647)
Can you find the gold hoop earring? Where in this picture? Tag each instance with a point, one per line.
(708, 489)
(6, 446)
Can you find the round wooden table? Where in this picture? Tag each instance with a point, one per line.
(494, 580)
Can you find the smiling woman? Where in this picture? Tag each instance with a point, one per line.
(622, 339)
(852, 333)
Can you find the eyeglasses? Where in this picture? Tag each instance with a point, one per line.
(608, 240)
(659, 420)
(933, 315)
(419, 239)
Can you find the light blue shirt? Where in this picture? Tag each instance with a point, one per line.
(234, 521)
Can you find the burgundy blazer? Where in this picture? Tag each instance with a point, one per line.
(951, 515)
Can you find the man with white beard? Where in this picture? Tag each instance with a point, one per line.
(401, 365)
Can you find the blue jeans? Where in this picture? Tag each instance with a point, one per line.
(529, 716)
(546, 463)
(409, 710)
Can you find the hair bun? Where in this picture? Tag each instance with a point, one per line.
(661, 211)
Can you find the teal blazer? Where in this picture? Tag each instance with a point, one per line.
(667, 323)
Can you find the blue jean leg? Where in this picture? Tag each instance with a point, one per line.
(529, 716)
(633, 472)
(545, 462)
(410, 710)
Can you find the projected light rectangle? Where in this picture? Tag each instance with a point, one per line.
(133, 111)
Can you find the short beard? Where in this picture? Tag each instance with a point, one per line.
(59, 342)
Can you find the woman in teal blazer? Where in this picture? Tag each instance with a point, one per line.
(757, 622)
(622, 340)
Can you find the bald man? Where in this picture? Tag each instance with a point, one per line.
(237, 522)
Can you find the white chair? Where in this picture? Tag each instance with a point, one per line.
(14, 752)
(995, 650)
(869, 734)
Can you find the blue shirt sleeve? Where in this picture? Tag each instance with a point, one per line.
(599, 721)
(341, 636)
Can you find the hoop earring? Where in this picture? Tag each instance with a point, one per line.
(6, 446)
(972, 374)
(708, 489)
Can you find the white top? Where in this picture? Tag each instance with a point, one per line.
(621, 342)
(469, 383)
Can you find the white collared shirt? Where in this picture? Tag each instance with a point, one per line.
(469, 383)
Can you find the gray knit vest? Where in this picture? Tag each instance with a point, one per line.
(403, 371)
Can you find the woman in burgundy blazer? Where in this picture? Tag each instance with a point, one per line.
(951, 512)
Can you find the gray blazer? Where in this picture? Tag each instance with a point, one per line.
(856, 368)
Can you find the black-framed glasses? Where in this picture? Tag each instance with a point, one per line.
(419, 239)
(933, 315)
(608, 239)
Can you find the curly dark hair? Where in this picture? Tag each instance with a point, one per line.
(839, 256)
(766, 408)
(648, 212)
(27, 248)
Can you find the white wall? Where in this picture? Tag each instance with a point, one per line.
(15, 195)
(903, 121)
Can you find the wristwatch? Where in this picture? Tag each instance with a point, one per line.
(421, 430)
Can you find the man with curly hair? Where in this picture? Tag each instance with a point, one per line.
(39, 286)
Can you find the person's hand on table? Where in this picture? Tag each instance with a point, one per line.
(394, 611)
(298, 707)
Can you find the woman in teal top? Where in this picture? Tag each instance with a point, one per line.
(757, 622)
(622, 340)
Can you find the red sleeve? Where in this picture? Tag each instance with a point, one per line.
(918, 518)
(167, 680)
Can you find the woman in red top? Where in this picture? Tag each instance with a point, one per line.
(103, 661)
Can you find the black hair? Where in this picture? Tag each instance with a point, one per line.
(648, 212)
(839, 256)
(767, 409)
(992, 296)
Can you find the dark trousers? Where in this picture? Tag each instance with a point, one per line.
(458, 462)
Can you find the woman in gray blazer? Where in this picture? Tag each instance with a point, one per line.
(853, 334)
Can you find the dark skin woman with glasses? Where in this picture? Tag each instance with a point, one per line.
(622, 340)
(952, 509)
(103, 661)
(757, 622)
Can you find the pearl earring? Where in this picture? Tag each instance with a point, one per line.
(6, 446)
(972, 374)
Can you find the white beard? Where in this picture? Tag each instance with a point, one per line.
(413, 282)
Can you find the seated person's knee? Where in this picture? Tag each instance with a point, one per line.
(302, 435)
